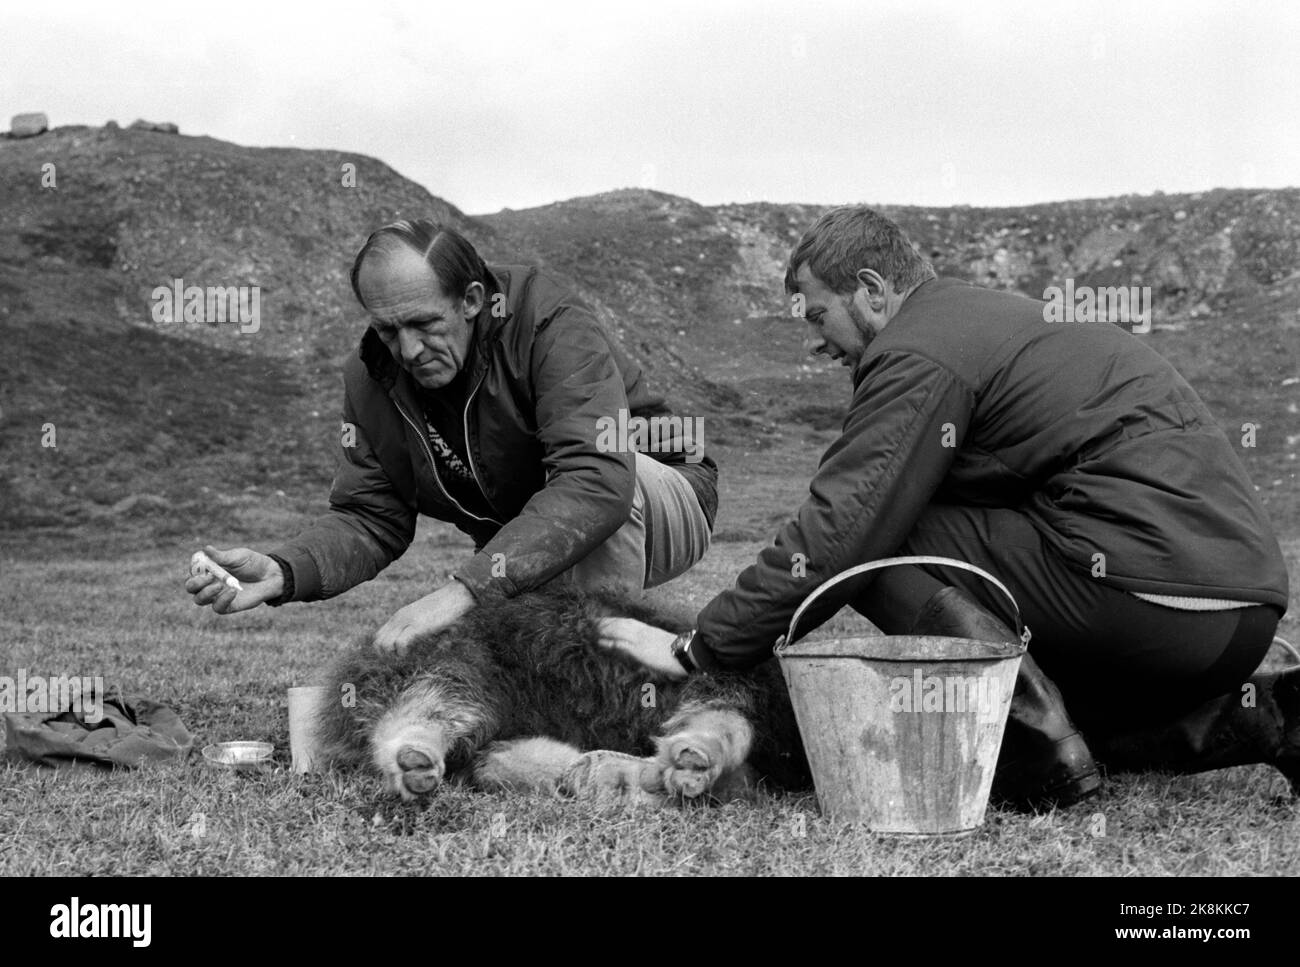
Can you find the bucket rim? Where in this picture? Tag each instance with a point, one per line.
(902, 649)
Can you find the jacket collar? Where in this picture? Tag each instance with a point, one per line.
(383, 368)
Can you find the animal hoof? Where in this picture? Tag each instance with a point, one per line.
(421, 773)
(692, 767)
(412, 758)
(689, 758)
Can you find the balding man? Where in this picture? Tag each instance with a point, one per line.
(489, 397)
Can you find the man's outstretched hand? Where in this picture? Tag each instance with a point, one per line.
(260, 576)
(431, 613)
(643, 643)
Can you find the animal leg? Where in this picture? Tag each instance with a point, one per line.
(603, 775)
(524, 765)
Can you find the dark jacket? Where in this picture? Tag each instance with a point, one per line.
(543, 372)
(968, 397)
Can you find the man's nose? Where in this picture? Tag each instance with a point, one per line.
(409, 344)
(814, 344)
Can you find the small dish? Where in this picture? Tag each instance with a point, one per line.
(240, 756)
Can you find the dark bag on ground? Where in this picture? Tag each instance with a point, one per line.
(131, 732)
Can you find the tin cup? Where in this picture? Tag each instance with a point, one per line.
(305, 706)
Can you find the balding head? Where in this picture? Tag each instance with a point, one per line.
(455, 263)
(391, 273)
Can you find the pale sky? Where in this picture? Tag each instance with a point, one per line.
(492, 104)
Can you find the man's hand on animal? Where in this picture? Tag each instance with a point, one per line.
(259, 577)
(643, 643)
(430, 614)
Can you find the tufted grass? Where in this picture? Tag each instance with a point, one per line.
(127, 618)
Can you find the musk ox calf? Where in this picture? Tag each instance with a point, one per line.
(523, 696)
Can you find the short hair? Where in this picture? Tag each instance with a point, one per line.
(852, 237)
(454, 260)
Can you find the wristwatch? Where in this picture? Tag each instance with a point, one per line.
(681, 649)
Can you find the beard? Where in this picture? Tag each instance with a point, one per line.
(864, 328)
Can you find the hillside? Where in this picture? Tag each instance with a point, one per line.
(148, 414)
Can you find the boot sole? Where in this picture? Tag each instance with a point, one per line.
(1060, 796)
(1074, 791)
(1077, 777)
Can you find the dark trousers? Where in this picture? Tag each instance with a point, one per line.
(1120, 662)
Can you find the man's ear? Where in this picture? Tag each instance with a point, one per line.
(874, 283)
(475, 299)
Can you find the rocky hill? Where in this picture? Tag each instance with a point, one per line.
(149, 413)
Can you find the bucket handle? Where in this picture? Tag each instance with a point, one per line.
(890, 562)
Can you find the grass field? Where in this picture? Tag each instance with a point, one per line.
(126, 617)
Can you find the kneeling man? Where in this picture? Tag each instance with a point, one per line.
(484, 396)
(1071, 461)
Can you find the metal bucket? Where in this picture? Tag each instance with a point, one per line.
(902, 732)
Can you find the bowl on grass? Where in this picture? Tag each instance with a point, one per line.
(240, 756)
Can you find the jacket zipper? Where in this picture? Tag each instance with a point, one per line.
(424, 442)
(469, 445)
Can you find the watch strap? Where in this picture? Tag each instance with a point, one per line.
(681, 648)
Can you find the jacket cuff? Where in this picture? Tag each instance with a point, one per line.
(286, 572)
(302, 580)
(477, 576)
(703, 657)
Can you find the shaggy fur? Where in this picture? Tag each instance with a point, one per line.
(533, 666)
